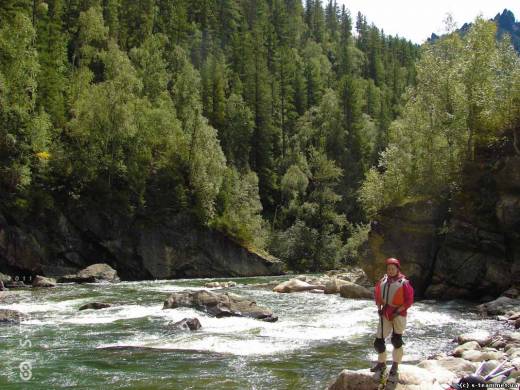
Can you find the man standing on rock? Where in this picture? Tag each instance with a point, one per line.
(393, 295)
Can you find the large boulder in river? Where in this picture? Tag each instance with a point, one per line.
(42, 281)
(92, 274)
(333, 285)
(353, 290)
(11, 316)
(500, 306)
(219, 305)
(296, 285)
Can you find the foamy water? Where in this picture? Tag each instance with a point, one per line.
(317, 329)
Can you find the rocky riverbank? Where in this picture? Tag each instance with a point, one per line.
(498, 352)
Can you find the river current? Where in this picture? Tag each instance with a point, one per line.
(129, 345)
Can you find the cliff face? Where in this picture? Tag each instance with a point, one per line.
(467, 248)
(59, 244)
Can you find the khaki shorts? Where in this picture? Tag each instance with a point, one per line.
(397, 325)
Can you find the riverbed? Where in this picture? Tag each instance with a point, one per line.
(129, 345)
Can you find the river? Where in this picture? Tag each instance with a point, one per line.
(315, 337)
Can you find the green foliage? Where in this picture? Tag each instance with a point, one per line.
(24, 130)
(246, 114)
(463, 101)
(240, 209)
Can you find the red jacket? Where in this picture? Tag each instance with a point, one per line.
(401, 294)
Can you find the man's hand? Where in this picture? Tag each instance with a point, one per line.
(380, 310)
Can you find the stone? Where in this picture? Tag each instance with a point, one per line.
(355, 380)
(296, 285)
(219, 305)
(480, 356)
(481, 337)
(95, 306)
(11, 316)
(447, 367)
(187, 324)
(333, 285)
(500, 306)
(352, 290)
(470, 345)
(41, 281)
(92, 274)
(410, 378)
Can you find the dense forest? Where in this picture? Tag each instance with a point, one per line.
(284, 125)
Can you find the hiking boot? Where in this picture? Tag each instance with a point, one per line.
(379, 367)
(393, 369)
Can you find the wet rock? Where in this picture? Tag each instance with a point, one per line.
(481, 337)
(353, 290)
(11, 316)
(92, 274)
(15, 284)
(352, 274)
(333, 285)
(95, 306)
(41, 281)
(470, 345)
(355, 380)
(296, 285)
(500, 306)
(219, 305)
(187, 324)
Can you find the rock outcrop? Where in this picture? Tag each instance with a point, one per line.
(468, 247)
(478, 349)
(219, 305)
(62, 242)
